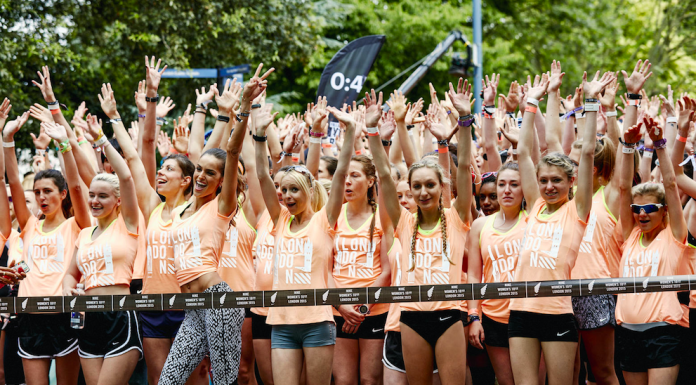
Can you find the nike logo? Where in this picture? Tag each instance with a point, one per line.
(603, 319)
(114, 343)
(562, 334)
(376, 330)
(445, 319)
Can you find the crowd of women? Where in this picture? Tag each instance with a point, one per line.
(401, 197)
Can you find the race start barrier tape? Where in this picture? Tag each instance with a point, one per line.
(347, 296)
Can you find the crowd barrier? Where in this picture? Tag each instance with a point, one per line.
(370, 295)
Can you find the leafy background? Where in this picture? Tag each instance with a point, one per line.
(88, 42)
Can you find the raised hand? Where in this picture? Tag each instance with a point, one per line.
(461, 98)
(686, 111)
(5, 108)
(556, 78)
(414, 110)
(373, 110)
(593, 88)
(440, 131)
(397, 103)
(55, 131)
(342, 116)
(632, 135)
(80, 112)
(205, 97)
(386, 130)
(512, 100)
(608, 98)
(152, 73)
(490, 89)
(640, 74)
(164, 106)
(256, 85)
(45, 85)
(227, 100)
(668, 106)
(510, 131)
(43, 140)
(40, 113)
(140, 94)
(163, 144)
(538, 89)
(38, 164)
(653, 128)
(181, 137)
(133, 132)
(577, 97)
(264, 119)
(94, 128)
(13, 126)
(108, 102)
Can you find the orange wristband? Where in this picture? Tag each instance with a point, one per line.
(358, 152)
(531, 109)
(55, 112)
(442, 150)
(681, 138)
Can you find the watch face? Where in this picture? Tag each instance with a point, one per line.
(363, 309)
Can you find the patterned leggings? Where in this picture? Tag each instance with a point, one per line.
(217, 332)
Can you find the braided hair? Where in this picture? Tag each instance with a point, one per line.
(370, 172)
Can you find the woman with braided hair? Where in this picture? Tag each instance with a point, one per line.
(358, 263)
(433, 242)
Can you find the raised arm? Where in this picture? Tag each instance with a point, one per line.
(461, 100)
(22, 213)
(397, 103)
(226, 102)
(553, 122)
(333, 206)
(148, 199)
(152, 80)
(227, 203)
(490, 89)
(686, 121)
(197, 137)
(380, 159)
(631, 138)
(5, 221)
(530, 188)
(608, 101)
(583, 196)
(674, 207)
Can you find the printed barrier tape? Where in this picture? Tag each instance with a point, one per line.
(350, 296)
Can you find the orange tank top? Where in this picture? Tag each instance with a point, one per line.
(662, 257)
(141, 255)
(428, 266)
(549, 250)
(198, 241)
(160, 273)
(394, 316)
(236, 262)
(264, 245)
(302, 260)
(48, 255)
(499, 251)
(600, 249)
(107, 260)
(355, 263)
(15, 246)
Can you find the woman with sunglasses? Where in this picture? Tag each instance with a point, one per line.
(655, 234)
(303, 259)
(433, 244)
(200, 227)
(494, 242)
(549, 249)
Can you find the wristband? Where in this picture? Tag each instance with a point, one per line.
(223, 118)
(443, 142)
(53, 106)
(474, 318)
(386, 143)
(253, 106)
(372, 131)
(81, 142)
(443, 150)
(592, 107)
(200, 112)
(634, 96)
(260, 138)
(54, 103)
(410, 133)
(660, 144)
(410, 126)
(628, 150)
(315, 140)
(238, 118)
(579, 115)
(531, 109)
(681, 138)
(572, 112)
(39, 151)
(591, 100)
(141, 115)
(295, 156)
(152, 100)
(112, 121)
(510, 114)
(100, 140)
(514, 151)
(316, 134)
(634, 102)
(449, 112)
(66, 149)
(244, 114)
(631, 145)
(645, 149)
(55, 111)
(8, 144)
(465, 121)
(161, 121)
(648, 154)
(204, 105)
(358, 152)
(533, 101)
(672, 119)
(609, 114)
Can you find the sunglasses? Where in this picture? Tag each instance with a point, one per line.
(487, 174)
(648, 209)
(302, 170)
